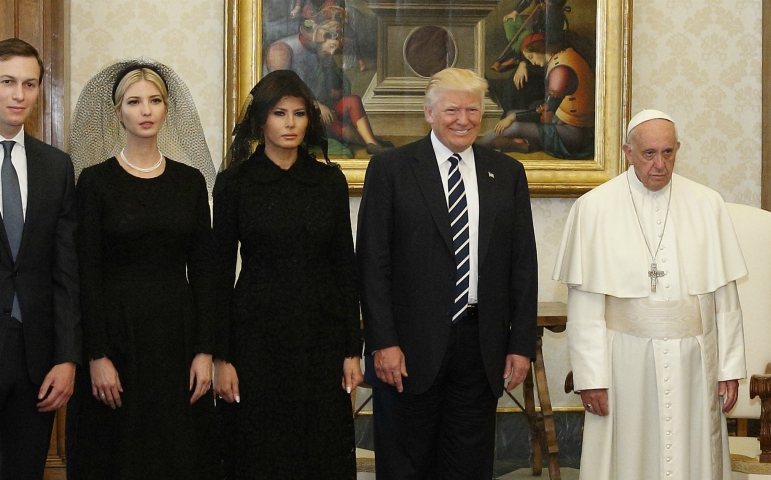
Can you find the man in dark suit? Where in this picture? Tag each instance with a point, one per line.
(40, 337)
(448, 274)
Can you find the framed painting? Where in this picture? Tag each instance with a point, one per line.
(558, 70)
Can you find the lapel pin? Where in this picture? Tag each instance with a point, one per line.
(491, 174)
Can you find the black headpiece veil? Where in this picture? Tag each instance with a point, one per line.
(264, 96)
(97, 135)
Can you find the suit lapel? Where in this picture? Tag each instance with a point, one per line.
(4, 241)
(34, 190)
(488, 210)
(426, 169)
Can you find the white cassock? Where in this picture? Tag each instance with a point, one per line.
(666, 351)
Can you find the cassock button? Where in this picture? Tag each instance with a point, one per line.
(658, 222)
(664, 261)
(669, 474)
(657, 209)
(666, 392)
(666, 351)
(669, 433)
(668, 419)
(669, 447)
(668, 405)
(665, 339)
(669, 459)
(666, 365)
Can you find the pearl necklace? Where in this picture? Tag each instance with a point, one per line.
(143, 170)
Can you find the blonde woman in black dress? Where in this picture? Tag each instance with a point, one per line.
(144, 240)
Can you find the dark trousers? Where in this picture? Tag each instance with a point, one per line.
(446, 433)
(24, 432)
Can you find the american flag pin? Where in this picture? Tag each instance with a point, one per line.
(491, 174)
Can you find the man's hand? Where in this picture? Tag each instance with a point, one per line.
(516, 368)
(226, 381)
(200, 376)
(352, 376)
(390, 366)
(511, 16)
(595, 401)
(504, 123)
(61, 382)
(326, 114)
(729, 389)
(520, 76)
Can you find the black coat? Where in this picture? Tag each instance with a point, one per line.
(45, 274)
(407, 265)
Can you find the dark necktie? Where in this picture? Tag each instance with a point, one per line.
(13, 214)
(460, 236)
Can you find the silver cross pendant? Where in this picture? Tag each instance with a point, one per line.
(655, 273)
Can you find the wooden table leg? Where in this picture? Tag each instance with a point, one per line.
(532, 421)
(547, 415)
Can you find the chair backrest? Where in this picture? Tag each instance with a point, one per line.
(753, 228)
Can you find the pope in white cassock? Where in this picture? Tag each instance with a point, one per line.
(654, 321)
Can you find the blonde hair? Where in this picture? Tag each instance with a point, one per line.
(455, 80)
(135, 76)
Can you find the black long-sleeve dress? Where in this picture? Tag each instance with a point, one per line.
(143, 246)
(292, 318)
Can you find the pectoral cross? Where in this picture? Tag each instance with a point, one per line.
(655, 273)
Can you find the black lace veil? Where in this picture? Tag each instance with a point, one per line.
(270, 90)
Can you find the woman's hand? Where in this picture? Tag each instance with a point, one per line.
(504, 124)
(226, 381)
(200, 376)
(105, 382)
(352, 376)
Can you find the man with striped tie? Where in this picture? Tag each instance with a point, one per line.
(448, 273)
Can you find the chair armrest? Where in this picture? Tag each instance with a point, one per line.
(760, 386)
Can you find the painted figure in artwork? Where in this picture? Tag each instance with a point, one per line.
(548, 102)
(312, 55)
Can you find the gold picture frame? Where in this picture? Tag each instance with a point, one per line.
(546, 177)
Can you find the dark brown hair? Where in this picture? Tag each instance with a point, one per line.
(14, 47)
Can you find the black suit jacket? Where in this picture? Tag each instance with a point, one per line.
(45, 274)
(407, 265)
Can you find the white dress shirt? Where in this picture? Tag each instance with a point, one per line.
(469, 175)
(19, 161)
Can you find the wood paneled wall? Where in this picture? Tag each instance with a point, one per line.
(44, 24)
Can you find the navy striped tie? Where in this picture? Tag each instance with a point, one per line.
(460, 237)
